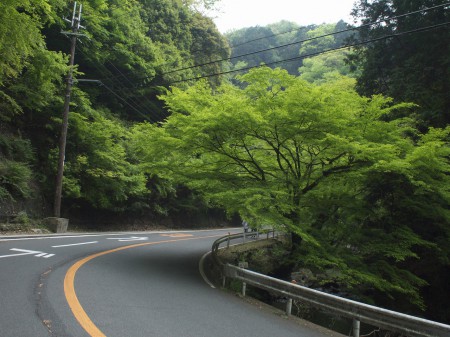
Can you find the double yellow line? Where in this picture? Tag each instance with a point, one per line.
(69, 284)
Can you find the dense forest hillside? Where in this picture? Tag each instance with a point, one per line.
(285, 44)
(337, 134)
(124, 56)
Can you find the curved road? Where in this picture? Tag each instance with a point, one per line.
(123, 285)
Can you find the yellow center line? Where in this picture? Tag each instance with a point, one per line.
(69, 284)
(177, 235)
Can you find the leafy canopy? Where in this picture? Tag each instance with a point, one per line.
(287, 153)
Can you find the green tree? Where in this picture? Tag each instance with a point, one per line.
(325, 67)
(99, 168)
(208, 46)
(30, 77)
(286, 153)
(408, 67)
(288, 33)
(259, 132)
(133, 47)
(29, 73)
(16, 156)
(27, 18)
(284, 40)
(251, 40)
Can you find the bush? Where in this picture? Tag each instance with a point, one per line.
(14, 180)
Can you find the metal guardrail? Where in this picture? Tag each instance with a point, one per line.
(244, 236)
(382, 318)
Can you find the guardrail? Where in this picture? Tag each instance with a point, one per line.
(244, 236)
(358, 312)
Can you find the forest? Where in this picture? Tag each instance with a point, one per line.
(335, 133)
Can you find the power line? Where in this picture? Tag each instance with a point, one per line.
(317, 53)
(139, 104)
(134, 108)
(113, 79)
(286, 60)
(290, 44)
(266, 37)
(135, 104)
(300, 28)
(116, 95)
(124, 100)
(309, 39)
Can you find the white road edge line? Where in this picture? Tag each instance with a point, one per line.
(42, 237)
(202, 270)
(76, 244)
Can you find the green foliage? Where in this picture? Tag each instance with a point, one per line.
(261, 38)
(26, 38)
(208, 45)
(22, 218)
(283, 41)
(14, 180)
(137, 47)
(411, 67)
(322, 39)
(132, 46)
(39, 85)
(16, 156)
(324, 68)
(15, 148)
(276, 136)
(23, 56)
(311, 159)
(328, 66)
(98, 169)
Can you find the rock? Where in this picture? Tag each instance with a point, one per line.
(57, 225)
(304, 277)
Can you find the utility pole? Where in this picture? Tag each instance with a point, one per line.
(75, 26)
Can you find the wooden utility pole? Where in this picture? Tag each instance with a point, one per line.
(75, 26)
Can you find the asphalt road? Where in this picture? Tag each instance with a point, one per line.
(123, 285)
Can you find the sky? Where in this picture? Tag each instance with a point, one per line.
(236, 14)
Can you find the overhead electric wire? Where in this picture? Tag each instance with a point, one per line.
(135, 104)
(135, 107)
(300, 28)
(148, 102)
(286, 45)
(131, 102)
(113, 92)
(123, 100)
(317, 53)
(293, 43)
(307, 40)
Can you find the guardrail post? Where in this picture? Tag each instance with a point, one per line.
(289, 307)
(228, 241)
(356, 326)
(384, 319)
(224, 279)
